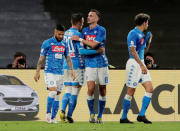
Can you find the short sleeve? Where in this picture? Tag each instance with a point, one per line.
(66, 52)
(100, 36)
(44, 48)
(132, 39)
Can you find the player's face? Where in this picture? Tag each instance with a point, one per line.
(59, 35)
(82, 23)
(92, 18)
(146, 24)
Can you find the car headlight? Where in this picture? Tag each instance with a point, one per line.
(34, 94)
(1, 94)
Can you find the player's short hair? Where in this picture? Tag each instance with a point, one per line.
(60, 27)
(141, 18)
(76, 17)
(97, 12)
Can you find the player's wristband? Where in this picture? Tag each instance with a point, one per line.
(80, 39)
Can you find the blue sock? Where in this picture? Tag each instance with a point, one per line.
(72, 105)
(91, 106)
(101, 105)
(49, 104)
(126, 107)
(55, 109)
(145, 104)
(65, 101)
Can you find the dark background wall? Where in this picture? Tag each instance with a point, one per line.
(24, 24)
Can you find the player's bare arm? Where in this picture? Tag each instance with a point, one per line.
(39, 64)
(91, 44)
(136, 57)
(69, 62)
(148, 44)
(101, 50)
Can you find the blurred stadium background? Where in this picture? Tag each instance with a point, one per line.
(25, 24)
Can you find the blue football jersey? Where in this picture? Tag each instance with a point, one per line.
(137, 39)
(54, 52)
(97, 34)
(73, 49)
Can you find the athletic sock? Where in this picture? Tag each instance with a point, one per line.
(126, 106)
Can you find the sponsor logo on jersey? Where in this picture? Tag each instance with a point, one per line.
(57, 48)
(90, 37)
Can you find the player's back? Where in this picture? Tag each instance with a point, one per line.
(136, 38)
(73, 47)
(96, 34)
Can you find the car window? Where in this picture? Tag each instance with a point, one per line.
(10, 80)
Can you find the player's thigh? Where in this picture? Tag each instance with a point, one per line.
(91, 74)
(103, 75)
(79, 77)
(133, 73)
(147, 82)
(50, 80)
(59, 82)
(67, 78)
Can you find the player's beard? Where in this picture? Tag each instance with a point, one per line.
(58, 39)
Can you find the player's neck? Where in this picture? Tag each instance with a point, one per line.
(75, 26)
(140, 28)
(93, 25)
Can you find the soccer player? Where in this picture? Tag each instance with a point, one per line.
(136, 70)
(76, 50)
(96, 66)
(53, 50)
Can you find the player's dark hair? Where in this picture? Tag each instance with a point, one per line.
(76, 17)
(17, 54)
(97, 12)
(60, 27)
(141, 18)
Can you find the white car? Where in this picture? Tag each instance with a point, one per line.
(17, 98)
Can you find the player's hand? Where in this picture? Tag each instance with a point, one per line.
(37, 76)
(72, 75)
(101, 50)
(144, 69)
(75, 38)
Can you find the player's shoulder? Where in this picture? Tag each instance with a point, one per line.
(132, 33)
(101, 28)
(48, 41)
(85, 29)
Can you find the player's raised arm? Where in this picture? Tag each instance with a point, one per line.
(39, 64)
(148, 39)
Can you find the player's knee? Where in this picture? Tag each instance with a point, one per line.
(52, 94)
(150, 90)
(75, 91)
(102, 98)
(130, 91)
(52, 89)
(102, 90)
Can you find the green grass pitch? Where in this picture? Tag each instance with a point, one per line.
(85, 126)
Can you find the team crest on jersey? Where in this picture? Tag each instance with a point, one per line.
(57, 48)
(142, 41)
(90, 37)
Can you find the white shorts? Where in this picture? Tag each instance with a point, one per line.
(100, 75)
(134, 74)
(53, 80)
(79, 77)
